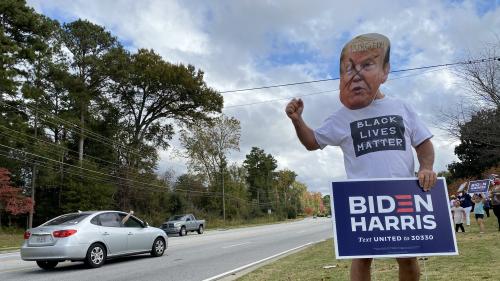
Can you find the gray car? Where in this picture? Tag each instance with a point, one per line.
(91, 237)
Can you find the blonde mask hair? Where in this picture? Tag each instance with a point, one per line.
(365, 42)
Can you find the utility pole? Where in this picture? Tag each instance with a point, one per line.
(223, 196)
(33, 176)
(80, 142)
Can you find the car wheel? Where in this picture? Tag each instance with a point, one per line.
(200, 229)
(47, 265)
(158, 247)
(183, 231)
(96, 255)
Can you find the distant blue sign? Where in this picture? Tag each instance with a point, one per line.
(479, 186)
(391, 218)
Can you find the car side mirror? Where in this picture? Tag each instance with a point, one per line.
(146, 224)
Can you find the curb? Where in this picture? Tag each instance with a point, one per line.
(9, 250)
(235, 274)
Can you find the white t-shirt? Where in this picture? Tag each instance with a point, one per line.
(458, 214)
(376, 140)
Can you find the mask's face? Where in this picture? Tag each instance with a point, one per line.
(361, 75)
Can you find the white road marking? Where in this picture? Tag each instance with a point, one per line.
(11, 255)
(227, 247)
(257, 262)
(17, 269)
(302, 231)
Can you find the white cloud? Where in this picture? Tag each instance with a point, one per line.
(235, 42)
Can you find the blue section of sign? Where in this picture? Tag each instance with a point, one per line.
(391, 218)
(478, 186)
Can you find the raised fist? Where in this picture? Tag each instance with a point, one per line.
(294, 109)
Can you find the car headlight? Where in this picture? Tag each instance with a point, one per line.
(177, 224)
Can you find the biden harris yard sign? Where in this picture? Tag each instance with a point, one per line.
(480, 186)
(391, 218)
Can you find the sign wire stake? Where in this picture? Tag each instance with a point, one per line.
(425, 271)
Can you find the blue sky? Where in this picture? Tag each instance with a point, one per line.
(241, 44)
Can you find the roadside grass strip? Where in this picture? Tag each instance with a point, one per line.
(10, 241)
(478, 259)
(257, 262)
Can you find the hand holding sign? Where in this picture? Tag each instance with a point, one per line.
(426, 179)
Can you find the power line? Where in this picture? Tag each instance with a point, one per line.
(337, 78)
(49, 149)
(57, 146)
(145, 185)
(33, 160)
(75, 129)
(78, 176)
(280, 99)
(327, 91)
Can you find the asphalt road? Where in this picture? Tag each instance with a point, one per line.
(193, 257)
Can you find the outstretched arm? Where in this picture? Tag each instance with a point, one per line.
(426, 175)
(305, 134)
(125, 219)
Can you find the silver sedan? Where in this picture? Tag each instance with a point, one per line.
(91, 237)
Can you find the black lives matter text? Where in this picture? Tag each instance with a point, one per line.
(378, 133)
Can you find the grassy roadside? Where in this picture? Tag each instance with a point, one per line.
(10, 238)
(218, 223)
(479, 259)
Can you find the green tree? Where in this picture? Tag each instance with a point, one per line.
(208, 143)
(475, 122)
(283, 183)
(297, 200)
(151, 94)
(480, 144)
(237, 196)
(87, 44)
(327, 204)
(22, 34)
(194, 192)
(260, 177)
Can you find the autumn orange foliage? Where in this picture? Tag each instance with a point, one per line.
(12, 200)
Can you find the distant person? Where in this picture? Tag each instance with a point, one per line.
(452, 201)
(487, 206)
(495, 201)
(479, 210)
(458, 214)
(387, 153)
(466, 203)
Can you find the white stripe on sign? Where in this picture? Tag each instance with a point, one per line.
(257, 262)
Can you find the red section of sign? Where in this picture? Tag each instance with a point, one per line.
(403, 196)
(404, 210)
(405, 203)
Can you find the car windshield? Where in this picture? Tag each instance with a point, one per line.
(176, 218)
(68, 219)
